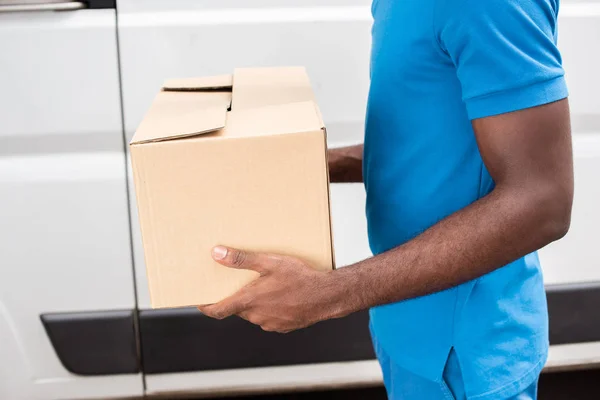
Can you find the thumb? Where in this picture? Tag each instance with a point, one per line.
(242, 259)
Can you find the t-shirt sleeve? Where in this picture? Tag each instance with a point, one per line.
(504, 52)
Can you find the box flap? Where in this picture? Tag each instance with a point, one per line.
(181, 114)
(193, 106)
(272, 120)
(258, 87)
(206, 83)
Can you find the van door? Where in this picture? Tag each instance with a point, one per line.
(67, 295)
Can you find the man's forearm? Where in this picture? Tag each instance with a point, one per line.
(501, 227)
(345, 164)
(488, 234)
(529, 207)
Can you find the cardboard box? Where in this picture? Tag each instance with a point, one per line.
(235, 160)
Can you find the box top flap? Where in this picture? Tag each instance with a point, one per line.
(206, 83)
(259, 87)
(194, 106)
(272, 120)
(175, 115)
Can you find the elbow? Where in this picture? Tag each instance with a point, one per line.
(560, 225)
(542, 211)
(555, 207)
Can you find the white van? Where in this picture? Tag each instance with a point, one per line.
(76, 79)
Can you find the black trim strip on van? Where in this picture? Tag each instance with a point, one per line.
(185, 340)
(99, 4)
(94, 343)
(573, 310)
(180, 340)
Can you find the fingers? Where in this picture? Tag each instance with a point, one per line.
(241, 259)
(253, 317)
(226, 308)
(222, 310)
(266, 324)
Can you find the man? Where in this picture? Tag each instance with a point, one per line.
(468, 170)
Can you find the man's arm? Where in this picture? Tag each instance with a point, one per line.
(528, 154)
(345, 164)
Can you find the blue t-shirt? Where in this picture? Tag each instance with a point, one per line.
(436, 65)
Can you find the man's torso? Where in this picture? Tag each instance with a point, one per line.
(421, 164)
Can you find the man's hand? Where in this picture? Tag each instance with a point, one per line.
(345, 164)
(288, 295)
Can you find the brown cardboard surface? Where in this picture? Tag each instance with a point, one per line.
(175, 115)
(259, 182)
(271, 120)
(258, 87)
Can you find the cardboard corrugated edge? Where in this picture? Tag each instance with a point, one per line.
(328, 194)
(318, 111)
(204, 83)
(205, 116)
(153, 289)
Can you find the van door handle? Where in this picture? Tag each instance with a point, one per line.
(64, 6)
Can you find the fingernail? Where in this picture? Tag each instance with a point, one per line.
(219, 252)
